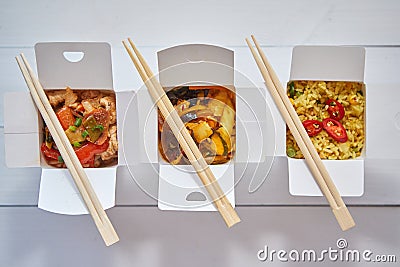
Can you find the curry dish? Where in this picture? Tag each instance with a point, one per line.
(89, 120)
(208, 113)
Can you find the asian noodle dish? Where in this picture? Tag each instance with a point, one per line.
(208, 113)
(333, 115)
(88, 118)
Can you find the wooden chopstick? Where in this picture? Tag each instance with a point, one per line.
(311, 156)
(181, 133)
(79, 176)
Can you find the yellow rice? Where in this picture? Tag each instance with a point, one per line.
(309, 102)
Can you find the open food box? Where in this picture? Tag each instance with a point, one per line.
(86, 69)
(197, 78)
(327, 89)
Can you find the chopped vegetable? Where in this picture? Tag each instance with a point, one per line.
(74, 135)
(335, 109)
(223, 133)
(48, 138)
(96, 124)
(335, 130)
(202, 131)
(78, 122)
(49, 152)
(291, 152)
(85, 133)
(221, 146)
(291, 89)
(87, 152)
(76, 144)
(72, 128)
(90, 125)
(65, 117)
(98, 127)
(313, 127)
(228, 119)
(357, 110)
(60, 159)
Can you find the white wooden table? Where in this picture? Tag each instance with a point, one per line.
(270, 217)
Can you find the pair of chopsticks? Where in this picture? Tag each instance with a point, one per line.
(182, 135)
(311, 156)
(79, 176)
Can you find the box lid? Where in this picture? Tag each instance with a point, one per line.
(328, 63)
(195, 64)
(77, 65)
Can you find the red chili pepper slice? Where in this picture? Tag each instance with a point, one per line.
(86, 152)
(49, 152)
(335, 109)
(335, 129)
(313, 127)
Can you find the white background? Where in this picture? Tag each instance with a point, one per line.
(149, 237)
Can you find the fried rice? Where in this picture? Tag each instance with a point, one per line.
(308, 99)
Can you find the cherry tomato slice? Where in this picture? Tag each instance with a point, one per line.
(313, 127)
(335, 109)
(335, 129)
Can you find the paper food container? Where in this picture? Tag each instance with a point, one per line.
(80, 66)
(328, 63)
(196, 65)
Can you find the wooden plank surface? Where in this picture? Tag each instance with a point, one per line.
(149, 237)
(166, 23)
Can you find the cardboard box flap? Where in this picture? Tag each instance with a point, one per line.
(328, 63)
(180, 187)
(206, 64)
(16, 121)
(21, 130)
(347, 175)
(383, 125)
(77, 65)
(59, 194)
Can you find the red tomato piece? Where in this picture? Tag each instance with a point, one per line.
(87, 152)
(65, 117)
(335, 109)
(313, 127)
(49, 152)
(335, 130)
